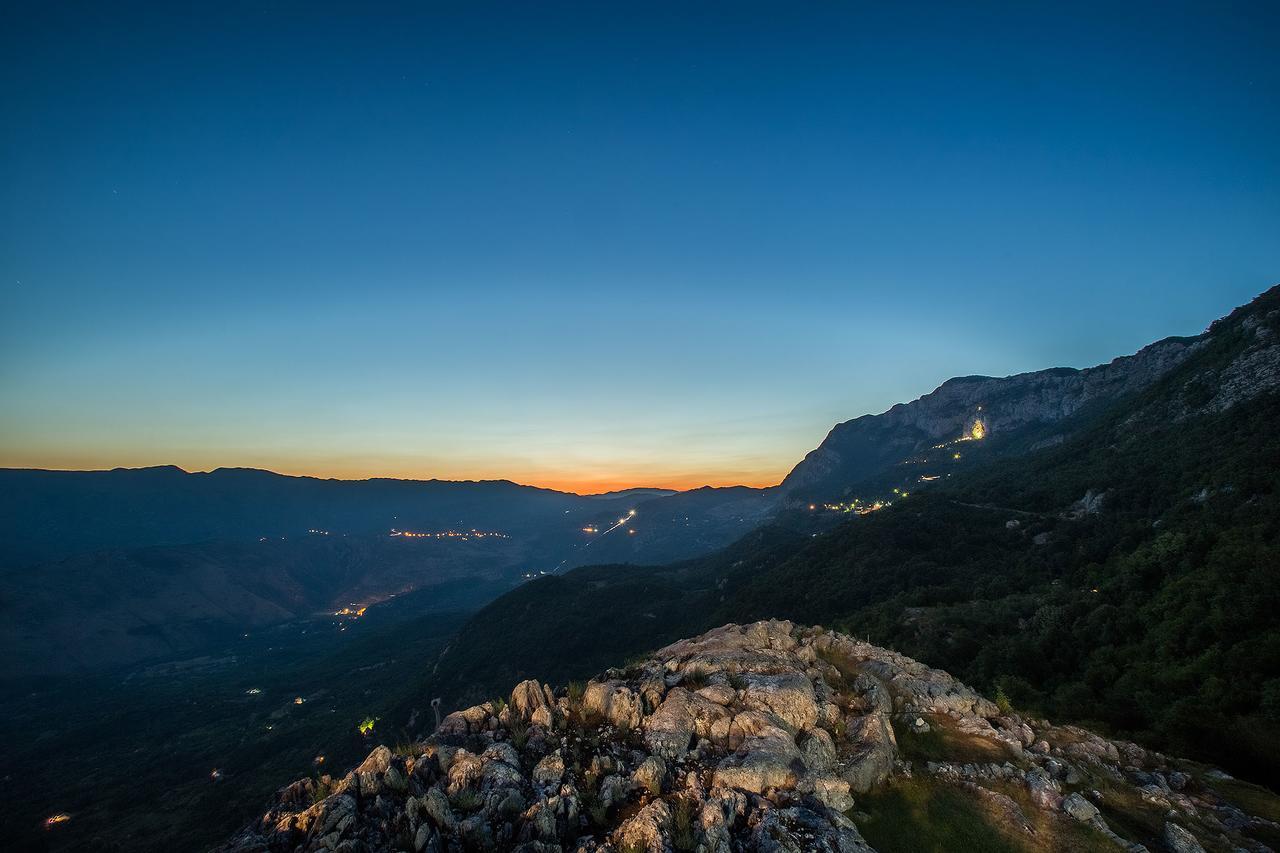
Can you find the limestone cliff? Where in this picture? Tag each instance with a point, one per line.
(863, 446)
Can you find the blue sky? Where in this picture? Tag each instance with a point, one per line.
(596, 245)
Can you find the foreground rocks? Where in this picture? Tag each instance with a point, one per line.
(761, 737)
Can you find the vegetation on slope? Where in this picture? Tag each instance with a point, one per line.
(1152, 616)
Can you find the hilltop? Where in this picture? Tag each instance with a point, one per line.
(768, 737)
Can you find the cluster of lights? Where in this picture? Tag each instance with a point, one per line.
(464, 535)
(856, 506)
(352, 611)
(53, 820)
(977, 431)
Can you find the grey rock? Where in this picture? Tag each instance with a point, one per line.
(1080, 808)
(1180, 840)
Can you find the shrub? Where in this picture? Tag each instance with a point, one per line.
(684, 834)
(519, 733)
(321, 789)
(467, 800)
(1002, 700)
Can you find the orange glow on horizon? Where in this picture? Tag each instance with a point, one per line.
(582, 484)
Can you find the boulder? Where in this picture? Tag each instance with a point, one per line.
(788, 696)
(818, 750)
(370, 773)
(720, 694)
(464, 772)
(549, 771)
(527, 697)
(647, 830)
(668, 732)
(830, 790)
(872, 753)
(613, 702)
(1179, 840)
(766, 757)
(1080, 808)
(1043, 789)
(650, 774)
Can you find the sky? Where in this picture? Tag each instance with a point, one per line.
(598, 245)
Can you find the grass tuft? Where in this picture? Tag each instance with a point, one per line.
(695, 679)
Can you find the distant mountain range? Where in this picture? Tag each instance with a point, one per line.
(136, 542)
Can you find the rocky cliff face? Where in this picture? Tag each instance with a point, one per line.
(863, 446)
(768, 737)
(1242, 361)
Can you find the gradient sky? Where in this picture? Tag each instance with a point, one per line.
(600, 244)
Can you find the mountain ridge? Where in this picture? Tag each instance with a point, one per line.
(860, 447)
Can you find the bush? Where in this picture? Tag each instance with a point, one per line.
(1002, 700)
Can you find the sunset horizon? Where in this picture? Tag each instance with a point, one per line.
(635, 427)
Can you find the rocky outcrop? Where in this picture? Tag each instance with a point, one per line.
(1248, 366)
(761, 737)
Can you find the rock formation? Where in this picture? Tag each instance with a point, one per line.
(760, 737)
(976, 406)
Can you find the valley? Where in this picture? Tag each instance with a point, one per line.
(82, 751)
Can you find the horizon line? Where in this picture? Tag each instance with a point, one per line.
(566, 485)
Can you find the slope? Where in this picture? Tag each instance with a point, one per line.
(1126, 576)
